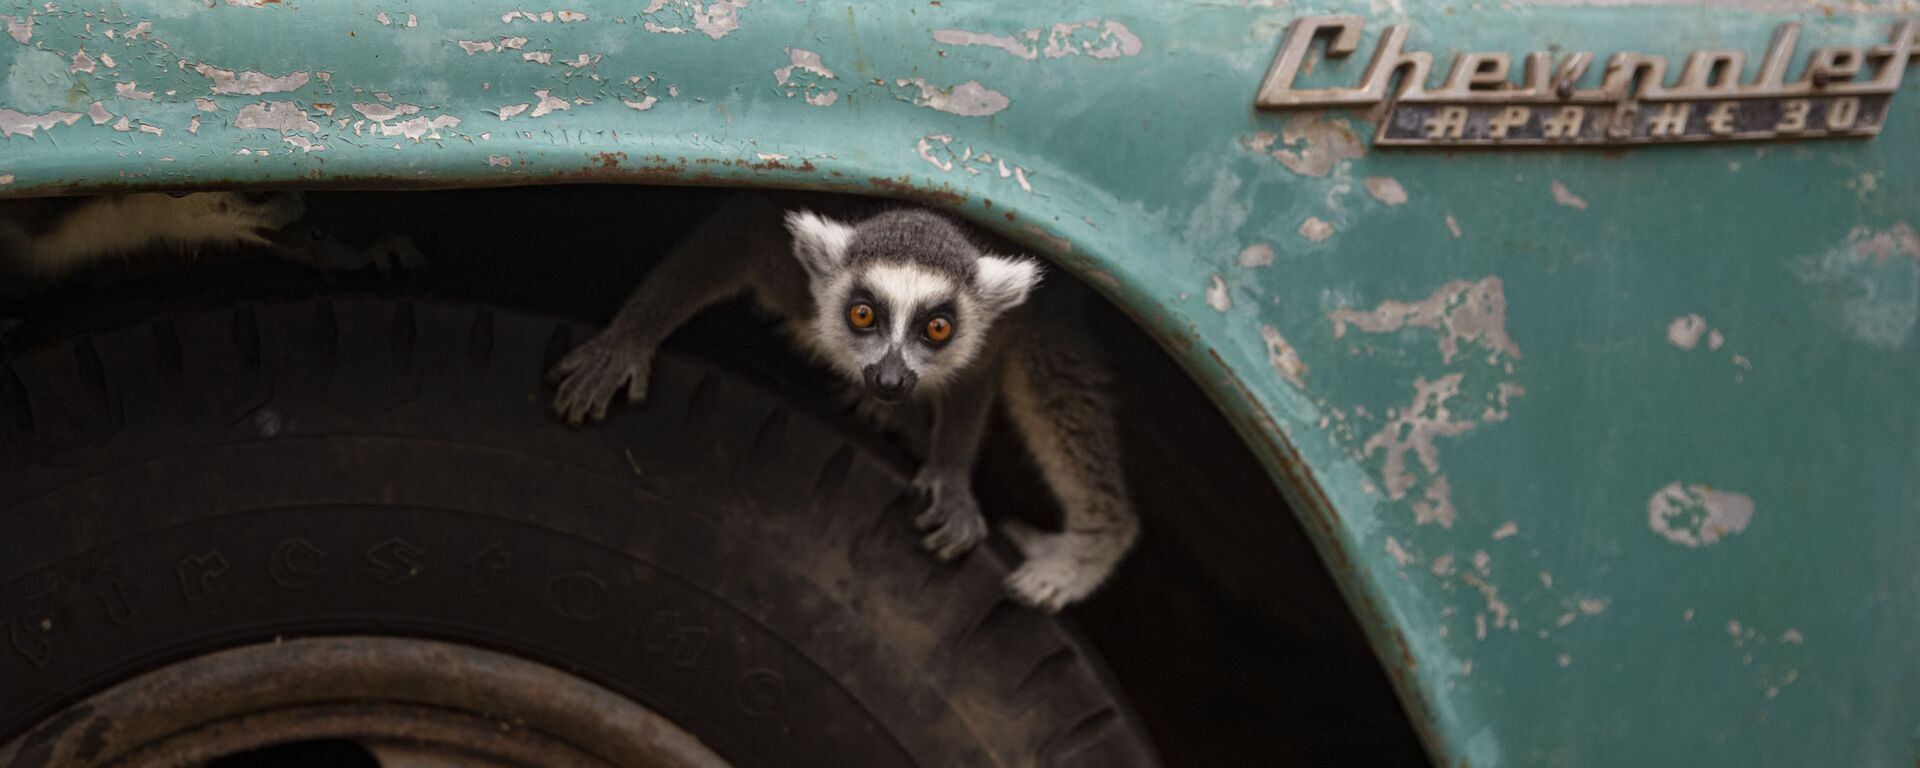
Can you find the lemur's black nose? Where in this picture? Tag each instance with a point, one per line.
(890, 380)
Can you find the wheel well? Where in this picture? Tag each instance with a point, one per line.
(1224, 627)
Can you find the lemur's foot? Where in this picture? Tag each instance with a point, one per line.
(952, 515)
(594, 373)
(1061, 568)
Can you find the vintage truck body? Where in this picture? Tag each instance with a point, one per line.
(1612, 446)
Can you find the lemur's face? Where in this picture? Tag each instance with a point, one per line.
(903, 300)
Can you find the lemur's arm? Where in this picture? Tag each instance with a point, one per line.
(709, 265)
(960, 420)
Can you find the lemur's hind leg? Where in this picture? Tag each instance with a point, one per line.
(1057, 397)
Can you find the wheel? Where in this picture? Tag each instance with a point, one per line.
(303, 520)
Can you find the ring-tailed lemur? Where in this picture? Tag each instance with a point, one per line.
(904, 303)
(43, 239)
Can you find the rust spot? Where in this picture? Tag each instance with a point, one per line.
(903, 188)
(987, 202)
(609, 159)
(1010, 216)
(1407, 661)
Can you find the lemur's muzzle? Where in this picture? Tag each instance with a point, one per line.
(889, 380)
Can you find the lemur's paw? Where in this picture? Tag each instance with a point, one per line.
(591, 376)
(1061, 568)
(953, 517)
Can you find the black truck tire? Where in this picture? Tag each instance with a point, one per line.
(205, 480)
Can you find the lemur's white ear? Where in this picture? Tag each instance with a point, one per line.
(1004, 282)
(819, 243)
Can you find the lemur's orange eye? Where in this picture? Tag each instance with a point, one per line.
(860, 316)
(939, 329)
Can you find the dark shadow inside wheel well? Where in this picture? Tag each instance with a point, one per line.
(1223, 627)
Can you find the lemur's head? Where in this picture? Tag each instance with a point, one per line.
(903, 298)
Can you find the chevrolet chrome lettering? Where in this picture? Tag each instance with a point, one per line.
(1843, 91)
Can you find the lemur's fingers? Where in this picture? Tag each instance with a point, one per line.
(567, 365)
(1032, 589)
(957, 537)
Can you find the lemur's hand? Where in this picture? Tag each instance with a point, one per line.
(952, 514)
(592, 374)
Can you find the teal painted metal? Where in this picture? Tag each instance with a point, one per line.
(1532, 477)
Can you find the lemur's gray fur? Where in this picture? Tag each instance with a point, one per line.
(43, 239)
(907, 267)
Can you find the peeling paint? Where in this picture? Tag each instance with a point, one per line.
(806, 62)
(1398, 553)
(1256, 255)
(968, 99)
(97, 112)
(1872, 283)
(20, 28)
(1316, 229)
(228, 82)
(548, 104)
(940, 151)
(1684, 332)
(282, 116)
(1453, 226)
(1461, 311)
(716, 19)
(1217, 295)
(1505, 392)
(1283, 358)
(540, 57)
(206, 105)
(1386, 189)
(1413, 431)
(303, 144)
(499, 160)
(415, 128)
(1506, 530)
(543, 17)
(131, 90)
(513, 109)
(802, 59)
(638, 106)
(1099, 39)
(81, 62)
(1697, 515)
(1321, 144)
(14, 123)
(1566, 197)
(1436, 505)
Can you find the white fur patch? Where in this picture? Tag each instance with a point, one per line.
(1003, 282)
(904, 291)
(819, 243)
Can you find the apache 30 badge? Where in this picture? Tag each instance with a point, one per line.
(1843, 92)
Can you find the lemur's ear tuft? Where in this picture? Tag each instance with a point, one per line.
(819, 243)
(1004, 282)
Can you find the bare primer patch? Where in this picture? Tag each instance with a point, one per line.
(1386, 189)
(1695, 515)
(1461, 311)
(1310, 145)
